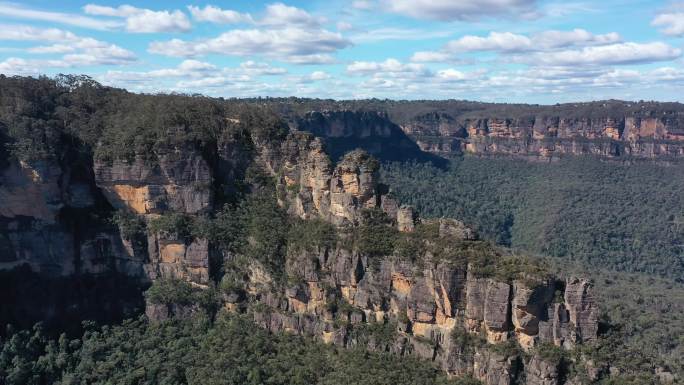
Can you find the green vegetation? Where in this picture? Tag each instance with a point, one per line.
(642, 318)
(171, 291)
(231, 350)
(379, 334)
(614, 215)
(309, 235)
(176, 225)
(375, 236)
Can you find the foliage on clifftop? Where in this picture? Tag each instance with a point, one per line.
(42, 114)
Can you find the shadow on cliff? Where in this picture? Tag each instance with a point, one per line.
(61, 304)
(374, 132)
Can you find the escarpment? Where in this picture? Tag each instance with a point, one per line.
(550, 136)
(608, 129)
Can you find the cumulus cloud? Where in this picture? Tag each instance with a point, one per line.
(671, 23)
(319, 75)
(614, 54)
(295, 45)
(77, 50)
(253, 68)
(496, 41)
(451, 75)
(142, 20)
(344, 26)
(392, 33)
(389, 66)
(547, 43)
(449, 10)
(431, 56)
(543, 41)
(313, 77)
(363, 4)
(199, 76)
(279, 14)
(29, 33)
(13, 10)
(217, 15)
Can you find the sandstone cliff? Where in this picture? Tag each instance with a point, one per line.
(544, 136)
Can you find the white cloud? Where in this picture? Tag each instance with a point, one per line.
(17, 11)
(311, 59)
(141, 20)
(431, 57)
(576, 37)
(614, 54)
(392, 66)
(496, 41)
(544, 41)
(391, 33)
(448, 10)
(319, 75)
(451, 75)
(28, 33)
(217, 15)
(363, 4)
(671, 24)
(80, 51)
(253, 68)
(344, 26)
(279, 14)
(294, 45)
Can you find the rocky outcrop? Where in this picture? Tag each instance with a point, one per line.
(345, 298)
(493, 368)
(178, 180)
(530, 307)
(541, 372)
(582, 309)
(311, 187)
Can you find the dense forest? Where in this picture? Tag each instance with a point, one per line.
(229, 350)
(622, 216)
(402, 111)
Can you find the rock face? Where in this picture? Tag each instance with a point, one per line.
(547, 136)
(179, 180)
(582, 309)
(541, 372)
(421, 309)
(311, 187)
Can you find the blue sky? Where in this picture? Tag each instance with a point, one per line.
(489, 50)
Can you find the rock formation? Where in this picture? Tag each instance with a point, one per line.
(546, 137)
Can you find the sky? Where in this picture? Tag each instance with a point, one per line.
(514, 51)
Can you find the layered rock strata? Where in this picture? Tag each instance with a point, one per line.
(547, 136)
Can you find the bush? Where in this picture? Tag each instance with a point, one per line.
(375, 236)
(309, 235)
(171, 291)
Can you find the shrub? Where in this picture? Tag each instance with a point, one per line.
(170, 291)
(375, 236)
